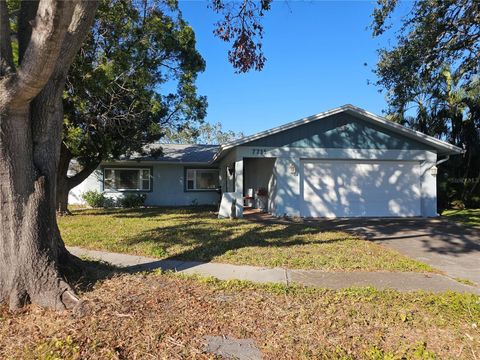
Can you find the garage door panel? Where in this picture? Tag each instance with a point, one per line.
(348, 188)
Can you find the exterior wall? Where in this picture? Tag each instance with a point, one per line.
(428, 184)
(168, 187)
(93, 182)
(286, 196)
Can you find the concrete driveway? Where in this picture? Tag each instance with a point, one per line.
(441, 243)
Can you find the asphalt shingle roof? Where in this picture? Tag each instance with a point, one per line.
(177, 153)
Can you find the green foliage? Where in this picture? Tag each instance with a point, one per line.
(378, 354)
(132, 200)
(133, 78)
(94, 198)
(432, 84)
(432, 34)
(418, 352)
(457, 204)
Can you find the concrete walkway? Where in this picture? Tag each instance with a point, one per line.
(317, 278)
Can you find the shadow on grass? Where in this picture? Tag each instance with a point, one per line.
(469, 217)
(203, 237)
(207, 240)
(83, 274)
(437, 235)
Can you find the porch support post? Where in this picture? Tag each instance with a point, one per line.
(239, 187)
(239, 176)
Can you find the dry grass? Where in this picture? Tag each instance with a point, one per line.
(196, 234)
(166, 317)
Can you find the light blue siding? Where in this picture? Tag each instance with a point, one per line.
(168, 187)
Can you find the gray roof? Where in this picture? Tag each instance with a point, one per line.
(177, 153)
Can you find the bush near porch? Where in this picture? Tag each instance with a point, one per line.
(195, 233)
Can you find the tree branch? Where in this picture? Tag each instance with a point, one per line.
(49, 100)
(6, 55)
(41, 55)
(81, 24)
(79, 177)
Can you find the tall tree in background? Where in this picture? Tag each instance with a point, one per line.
(206, 133)
(113, 101)
(431, 78)
(48, 34)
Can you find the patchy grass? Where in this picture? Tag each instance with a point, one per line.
(465, 281)
(467, 216)
(196, 234)
(165, 316)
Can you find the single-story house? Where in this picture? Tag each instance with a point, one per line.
(345, 162)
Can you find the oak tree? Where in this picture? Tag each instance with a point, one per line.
(48, 34)
(115, 100)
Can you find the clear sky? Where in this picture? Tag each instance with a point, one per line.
(315, 51)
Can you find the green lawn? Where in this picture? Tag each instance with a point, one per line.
(468, 216)
(196, 234)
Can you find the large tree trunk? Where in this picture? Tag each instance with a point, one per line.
(31, 118)
(30, 248)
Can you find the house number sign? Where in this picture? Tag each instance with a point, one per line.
(259, 151)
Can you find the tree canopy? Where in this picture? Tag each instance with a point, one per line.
(431, 80)
(133, 78)
(206, 133)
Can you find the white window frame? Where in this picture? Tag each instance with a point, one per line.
(140, 170)
(195, 178)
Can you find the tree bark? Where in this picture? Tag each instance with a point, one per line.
(62, 186)
(28, 261)
(62, 199)
(31, 118)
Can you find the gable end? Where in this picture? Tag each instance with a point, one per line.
(340, 131)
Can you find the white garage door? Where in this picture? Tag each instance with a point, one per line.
(360, 188)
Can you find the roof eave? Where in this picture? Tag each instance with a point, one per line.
(168, 162)
(441, 146)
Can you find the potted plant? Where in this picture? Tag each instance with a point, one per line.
(262, 199)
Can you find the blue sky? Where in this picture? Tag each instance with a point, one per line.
(316, 51)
